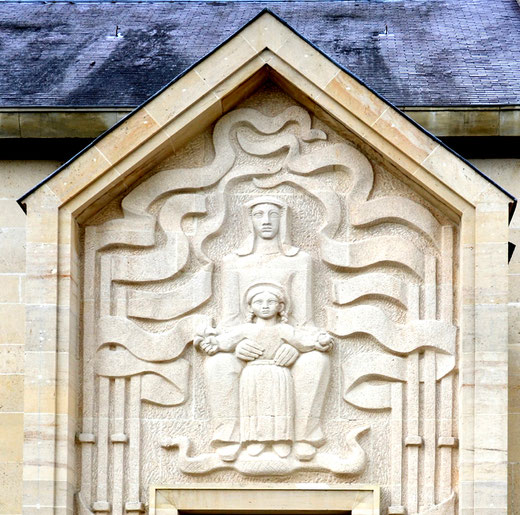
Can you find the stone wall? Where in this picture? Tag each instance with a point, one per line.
(506, 172)
(16, 177)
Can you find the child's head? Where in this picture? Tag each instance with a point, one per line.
(266, 300)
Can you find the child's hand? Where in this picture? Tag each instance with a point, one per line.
(248, 350)
(286, 355)
(209, 345)
(206, 340)
(324, 341)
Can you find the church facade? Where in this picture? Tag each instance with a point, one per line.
(265, 289)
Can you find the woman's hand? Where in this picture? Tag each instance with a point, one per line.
(324, 341)
(248, 350)
(206, 340)
(209, 345)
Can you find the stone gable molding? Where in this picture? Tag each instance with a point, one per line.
(265, 47)
(268, 49)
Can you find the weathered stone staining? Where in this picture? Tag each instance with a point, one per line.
(266, 349)
(126, 252)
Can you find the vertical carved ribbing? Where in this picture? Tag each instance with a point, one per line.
(396, 444)
(446, 386)
(430, 386)
(89, 335)
(430, 288)
(105, 286)
(429, 427)
(446, 273)
(118, 446)
(445, 430)
(413, 432)
(105, 289)
(134, 429)
(103, 429)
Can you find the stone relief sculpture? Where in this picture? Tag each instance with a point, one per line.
(266, 258)
(254, 399)
(264, 398)
(202, 354)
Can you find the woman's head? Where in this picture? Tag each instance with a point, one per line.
(267, 218)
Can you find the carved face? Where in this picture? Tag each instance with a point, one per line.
(266, 305)
(266, 220)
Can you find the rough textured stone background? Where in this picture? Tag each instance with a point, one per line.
(419, 52)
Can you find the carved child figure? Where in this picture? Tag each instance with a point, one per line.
(266, 346)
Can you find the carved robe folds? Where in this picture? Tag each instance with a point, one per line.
(310, 373)
(308, 378)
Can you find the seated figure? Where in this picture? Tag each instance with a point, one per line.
(266, 255)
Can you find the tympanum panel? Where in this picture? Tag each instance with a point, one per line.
(271, 306)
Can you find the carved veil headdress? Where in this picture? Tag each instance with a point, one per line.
(283, 235)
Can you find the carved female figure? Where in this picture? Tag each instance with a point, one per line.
(266, 386)
(266, 256)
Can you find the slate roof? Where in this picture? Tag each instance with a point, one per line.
(413, 52)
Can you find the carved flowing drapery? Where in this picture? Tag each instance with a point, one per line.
(135, 334)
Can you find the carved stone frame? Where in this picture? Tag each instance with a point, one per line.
(264, 48)
(219, 498)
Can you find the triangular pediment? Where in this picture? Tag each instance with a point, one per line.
(264, 49)
(395, 239)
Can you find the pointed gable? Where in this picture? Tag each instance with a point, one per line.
(265, 48)
(268, 49)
